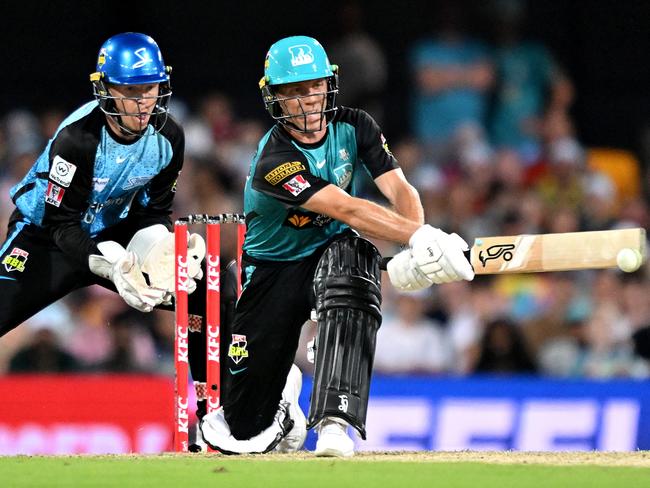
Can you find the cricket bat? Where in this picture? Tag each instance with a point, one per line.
(535, 253)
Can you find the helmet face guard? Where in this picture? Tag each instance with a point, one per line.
(298, 122)
(292, 60)
(131, 59)
(108, 105)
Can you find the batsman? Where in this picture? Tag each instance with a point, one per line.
(303, 251)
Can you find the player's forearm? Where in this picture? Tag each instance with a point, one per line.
(73, 241)
(407, 204)
(379, 222)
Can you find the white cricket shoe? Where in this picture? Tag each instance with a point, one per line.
(333, 439)
(295, 439)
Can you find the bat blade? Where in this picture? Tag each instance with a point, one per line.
(534, 253)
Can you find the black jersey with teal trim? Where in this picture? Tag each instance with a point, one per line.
(87, 180)
(285, 173)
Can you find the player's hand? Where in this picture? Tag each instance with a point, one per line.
(154, 247)
(404, 275)
(122, 268)
(439, 256)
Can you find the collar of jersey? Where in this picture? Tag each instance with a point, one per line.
(306, 145)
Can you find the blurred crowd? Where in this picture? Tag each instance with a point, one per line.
(492, 149)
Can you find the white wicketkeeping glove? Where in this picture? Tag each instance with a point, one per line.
(154, 247)
(439, 256)
(121, 267)
(404, 274)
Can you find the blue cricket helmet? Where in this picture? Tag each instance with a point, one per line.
(295, 59)
(131, 58)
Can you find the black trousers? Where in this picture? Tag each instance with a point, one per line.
(35, 273)
(276, 301)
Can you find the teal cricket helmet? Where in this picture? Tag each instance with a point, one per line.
(292, 60)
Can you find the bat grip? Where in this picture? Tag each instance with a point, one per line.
(384, 261)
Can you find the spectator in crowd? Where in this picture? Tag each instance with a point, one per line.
(43, 351)
(357, 52)
(132, 348)
(410, 342)
(504, 350)
(598, 343)
(452, 74)
(529, 84)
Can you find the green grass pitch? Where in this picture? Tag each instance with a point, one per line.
(302, 470)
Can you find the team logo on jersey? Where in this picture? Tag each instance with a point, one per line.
(136, 182)
(54, 194)
(296, 185)
(62, 172)
(15, 260)
(237, 350)
(343, 175)
(278, 174)
(301, 54)
(344, 154)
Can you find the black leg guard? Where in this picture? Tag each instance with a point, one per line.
(347, 286)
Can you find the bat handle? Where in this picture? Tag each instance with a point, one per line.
(385, 260)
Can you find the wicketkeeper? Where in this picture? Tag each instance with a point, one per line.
(95, 206)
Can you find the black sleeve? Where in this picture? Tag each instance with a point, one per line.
(72, 159)
(286, 177)
(371, 144)
(162, 188)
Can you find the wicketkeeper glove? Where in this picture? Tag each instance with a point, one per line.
(121, 267)
(154, 247)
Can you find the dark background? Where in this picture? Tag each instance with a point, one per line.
(47, 50)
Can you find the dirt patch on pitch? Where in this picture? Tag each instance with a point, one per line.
(636, 458)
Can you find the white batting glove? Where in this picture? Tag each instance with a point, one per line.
(439, 256)
(121, 267)
(154, 247)
(404, 275)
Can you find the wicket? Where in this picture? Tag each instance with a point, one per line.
(212, 319)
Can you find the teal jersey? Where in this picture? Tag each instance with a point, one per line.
(285, 173)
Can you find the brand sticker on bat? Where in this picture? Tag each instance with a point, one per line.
(495, 252)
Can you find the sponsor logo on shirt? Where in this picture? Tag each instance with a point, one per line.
(15, 260)
(305, 220)
(296, 185)
(54, 194)
(299, 220)
(384, 144)
(278, 174)
(62, 172)
(100, 183)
